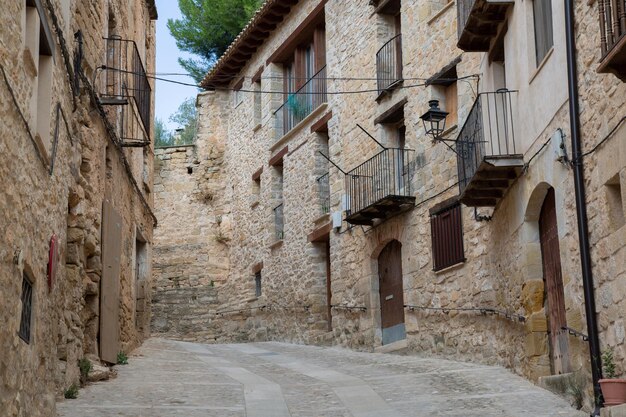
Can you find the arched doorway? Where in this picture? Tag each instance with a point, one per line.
(553, 288)
(391, 292)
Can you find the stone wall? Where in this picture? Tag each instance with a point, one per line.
(503, 268)
(50, 189)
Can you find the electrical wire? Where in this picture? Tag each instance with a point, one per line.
(363, 91)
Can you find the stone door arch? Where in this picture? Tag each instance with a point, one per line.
(391, 292)
(553, 286)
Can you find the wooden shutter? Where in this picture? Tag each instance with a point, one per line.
(320, 48)
(447, 237)
(110, 283)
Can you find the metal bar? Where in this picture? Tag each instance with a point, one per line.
(372, 137)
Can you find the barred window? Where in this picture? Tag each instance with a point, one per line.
(447, 236)
(27, 303)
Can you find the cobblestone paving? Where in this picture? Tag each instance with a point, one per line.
(177, 379)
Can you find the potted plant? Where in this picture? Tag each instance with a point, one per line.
(613, 389)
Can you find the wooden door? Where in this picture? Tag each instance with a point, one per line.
(329, 294)
(391, 292)
(554, 301)
(110, 283)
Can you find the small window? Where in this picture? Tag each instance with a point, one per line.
(615, 202)
(237, 93)
(257, 103)
(445, 90)
(542, 13)
(257, 284)
(27, 304)
(447, 236)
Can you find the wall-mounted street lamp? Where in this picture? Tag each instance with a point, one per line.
(434, 120)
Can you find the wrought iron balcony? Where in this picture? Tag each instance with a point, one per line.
(612, 37)
(301, 103)
(126, 91)
(389, 64)
(380, 187)
(488, 157)
(478, 22)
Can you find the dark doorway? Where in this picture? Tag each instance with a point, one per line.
(391, 292)
(553, 284)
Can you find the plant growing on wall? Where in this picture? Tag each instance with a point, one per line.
(122, 359)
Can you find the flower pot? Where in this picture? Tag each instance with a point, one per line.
(613, 391)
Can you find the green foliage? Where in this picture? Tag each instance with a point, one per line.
(122, 359)
(85, 367)
(162, 136)
(608, 364)
(186, 117)
(71, 393)
(207, 28)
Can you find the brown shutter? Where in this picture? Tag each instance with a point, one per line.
(319, 42)
(447, 237)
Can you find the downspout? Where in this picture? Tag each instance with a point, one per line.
(581, 206)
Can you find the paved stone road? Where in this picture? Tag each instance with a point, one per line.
(176, 379)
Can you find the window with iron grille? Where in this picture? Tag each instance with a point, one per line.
(257, 282)
(27, 303)
(447, 236)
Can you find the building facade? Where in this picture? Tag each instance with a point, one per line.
(347, 216)
(76, 184)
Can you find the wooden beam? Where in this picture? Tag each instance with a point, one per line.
(321, 126)
(257, 175)
(277, 159)
(321, 234)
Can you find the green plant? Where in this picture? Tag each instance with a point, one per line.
(298, 106)
(71, 393)
(122, 359)
(212, 284)
(85, 367)
(576, 389)
(221, 238)
(608, 364)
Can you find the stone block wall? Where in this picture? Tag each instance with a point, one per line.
(58, 188)
(503, 268)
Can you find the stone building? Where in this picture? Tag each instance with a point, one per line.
(76, 200)
(337, 218)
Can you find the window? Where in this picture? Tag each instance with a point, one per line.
(615, 202)
(445, 90)
(40, 47)
(27, 304)
(257, 103)
(237, 93)
(257, 284)
(542, 13)
(447, 235)
(389, 56)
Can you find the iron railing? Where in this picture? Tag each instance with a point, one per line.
(612, 23)
(125, 77)
(301, 103)
(323, 191)
(279, 222)
(389, 63)
(387, 174)
(488, 131)
(464, 9)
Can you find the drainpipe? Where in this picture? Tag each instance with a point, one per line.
(581, 206)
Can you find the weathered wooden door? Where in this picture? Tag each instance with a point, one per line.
(554, 301)
(391, 292)
(110, 283)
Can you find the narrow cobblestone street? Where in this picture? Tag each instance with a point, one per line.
(166, 379)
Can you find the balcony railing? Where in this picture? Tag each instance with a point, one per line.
(612, 39)
(279, 222)
(125, 81)
(487, 153)
(323, 190)
(478, 22)
(380, 187)
(301, 103)
(389, 64)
